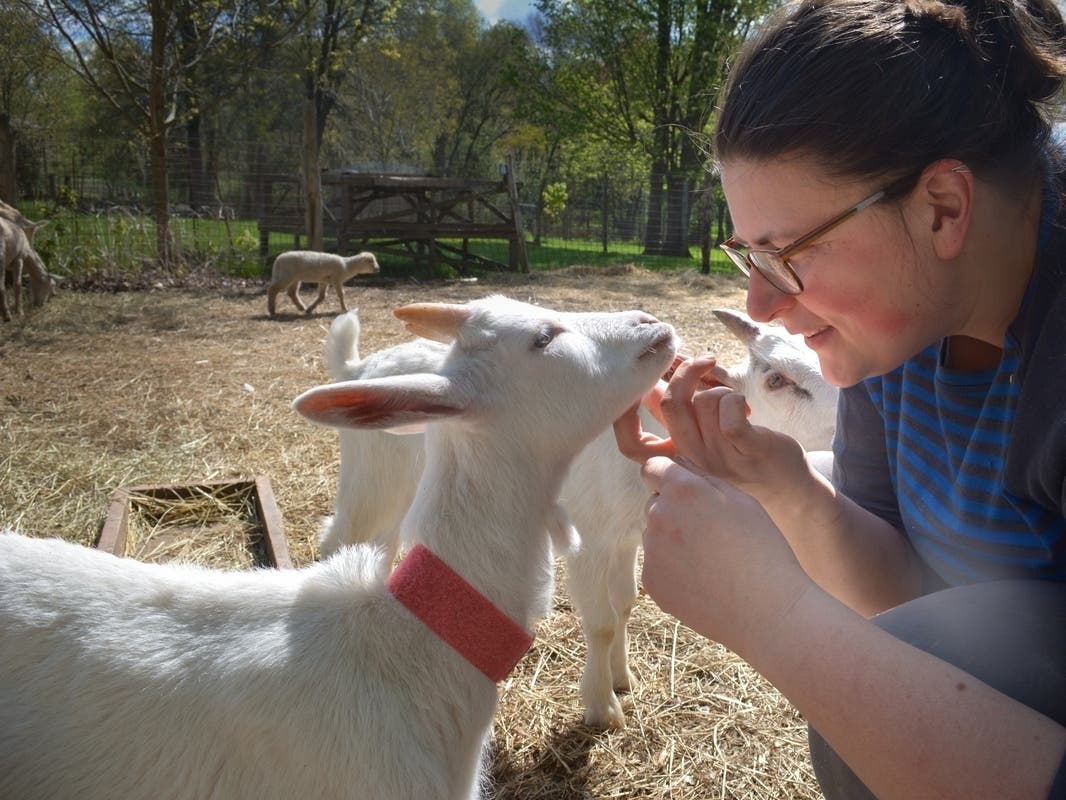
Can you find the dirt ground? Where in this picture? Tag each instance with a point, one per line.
(100, 390)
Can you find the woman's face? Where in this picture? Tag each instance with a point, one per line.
(874, 293)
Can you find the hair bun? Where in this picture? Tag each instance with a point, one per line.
(950, 16)
(1021, 43)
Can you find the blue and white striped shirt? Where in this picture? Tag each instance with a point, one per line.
(946, 438)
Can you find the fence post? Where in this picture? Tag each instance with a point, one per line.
(517, 256)
(603, 213)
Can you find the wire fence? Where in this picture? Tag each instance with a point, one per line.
(237, 212)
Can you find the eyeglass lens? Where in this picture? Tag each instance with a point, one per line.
(776, 271)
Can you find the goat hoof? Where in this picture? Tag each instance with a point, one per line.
(608, 716)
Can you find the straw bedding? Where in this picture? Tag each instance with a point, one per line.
(102, 390)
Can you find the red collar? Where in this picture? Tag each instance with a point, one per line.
(458, 613)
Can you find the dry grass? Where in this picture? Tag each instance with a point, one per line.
(99, 391)
(212, 525)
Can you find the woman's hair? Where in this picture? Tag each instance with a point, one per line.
(885, 87)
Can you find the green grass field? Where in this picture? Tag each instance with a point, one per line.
(120, 243)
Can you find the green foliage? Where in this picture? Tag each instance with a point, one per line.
(554, 199)
(122, 243)
(558, 253)
(66, 197)
(244, 256)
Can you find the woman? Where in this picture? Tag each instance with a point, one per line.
(897, 198)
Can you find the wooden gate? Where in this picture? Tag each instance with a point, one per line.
(430, 220)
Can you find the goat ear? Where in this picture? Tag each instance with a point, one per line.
(402, 401)
(439, 321)
(740, 325)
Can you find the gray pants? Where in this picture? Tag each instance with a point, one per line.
(1009, 634)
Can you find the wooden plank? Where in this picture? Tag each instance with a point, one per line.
(518, 257)
(406, 182)
(270, 517)
(430, 230)
(113, 536)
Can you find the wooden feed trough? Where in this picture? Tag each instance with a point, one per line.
(219, 524)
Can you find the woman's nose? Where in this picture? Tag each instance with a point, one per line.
(764, 301)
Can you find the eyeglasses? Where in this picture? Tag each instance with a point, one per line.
(773, 264)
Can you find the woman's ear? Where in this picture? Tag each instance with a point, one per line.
(947, 187)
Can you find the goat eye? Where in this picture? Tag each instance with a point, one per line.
(544, 338)
(775, 381)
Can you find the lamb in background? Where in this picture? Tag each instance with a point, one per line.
(125, 679)
(603, 493)
(294, 266)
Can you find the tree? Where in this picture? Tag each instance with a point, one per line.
(404, 92)
(486, 101)
(24, 71)
(332, 31)
(646, 73)
(137, 56)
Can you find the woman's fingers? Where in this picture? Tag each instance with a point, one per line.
(637, 444)
(677, 409)
(652, 400)
(653, 470)
(717, 377)
(687, 378)
(726, 412)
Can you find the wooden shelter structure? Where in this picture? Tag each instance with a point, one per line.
(428, 219)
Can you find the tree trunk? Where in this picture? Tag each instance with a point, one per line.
(199, 192)
(675, 238)
(653, 234)
(660, 167)
(706, 217)
(157, 133)
(312, 177)
(8, 184)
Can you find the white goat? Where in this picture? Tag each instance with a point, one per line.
(603, 493)
(125, 679)
(17, 255)
(326, 269)
(781, 381)
(14, 215)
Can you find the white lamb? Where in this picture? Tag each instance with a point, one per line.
(125, 679)
(603, 493)
(326, 269)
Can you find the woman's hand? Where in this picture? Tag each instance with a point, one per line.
(709, 429)
(713, 558)
(712, 555)
(856, 556)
